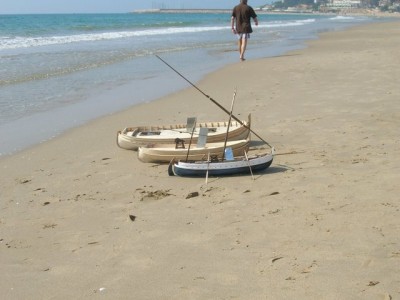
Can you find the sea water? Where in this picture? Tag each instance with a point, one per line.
(58, 71)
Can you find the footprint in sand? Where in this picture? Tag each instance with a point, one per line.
(155, 195)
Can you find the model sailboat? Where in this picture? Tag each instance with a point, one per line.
(229, 164)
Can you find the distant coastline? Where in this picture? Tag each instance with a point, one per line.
(195, 10)
(216, 11)
(366, 12)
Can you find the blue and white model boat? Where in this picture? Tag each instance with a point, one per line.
(237, 165)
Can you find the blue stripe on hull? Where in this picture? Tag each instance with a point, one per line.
(220, 172)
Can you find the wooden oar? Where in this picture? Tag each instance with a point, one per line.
(190, 142)
(208, 165)
(247, 159)
(229, 123)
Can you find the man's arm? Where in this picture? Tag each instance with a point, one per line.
(233, 24)
(255, 21)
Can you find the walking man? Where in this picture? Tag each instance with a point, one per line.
(241, 24)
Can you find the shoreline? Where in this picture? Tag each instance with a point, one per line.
(92, 103)
(82, 217)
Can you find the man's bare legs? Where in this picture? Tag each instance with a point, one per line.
(242, 47)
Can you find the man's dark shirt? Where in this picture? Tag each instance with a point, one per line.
(243, 14)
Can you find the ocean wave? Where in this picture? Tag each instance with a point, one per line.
(342, 18)
(288, 23)
(29, 42)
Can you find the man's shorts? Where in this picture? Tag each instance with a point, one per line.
(243, 36)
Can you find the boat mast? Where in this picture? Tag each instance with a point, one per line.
(229, 124)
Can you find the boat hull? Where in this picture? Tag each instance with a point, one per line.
(131, 138)
(165, 153)
(226, 168)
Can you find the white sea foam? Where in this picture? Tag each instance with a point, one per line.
(23, 42)
(28, 42)
(342, 18)
(287, 23)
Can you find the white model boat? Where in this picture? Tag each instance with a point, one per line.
(133, 137)
(166, 152)
(238, 165)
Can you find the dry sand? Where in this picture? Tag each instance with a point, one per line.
(322, 223)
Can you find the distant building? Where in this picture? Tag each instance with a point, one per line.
(344, 4)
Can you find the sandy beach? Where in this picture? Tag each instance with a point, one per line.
(81, 218)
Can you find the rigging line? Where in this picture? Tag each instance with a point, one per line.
(214, 101)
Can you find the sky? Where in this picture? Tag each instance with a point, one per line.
(110, 6)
